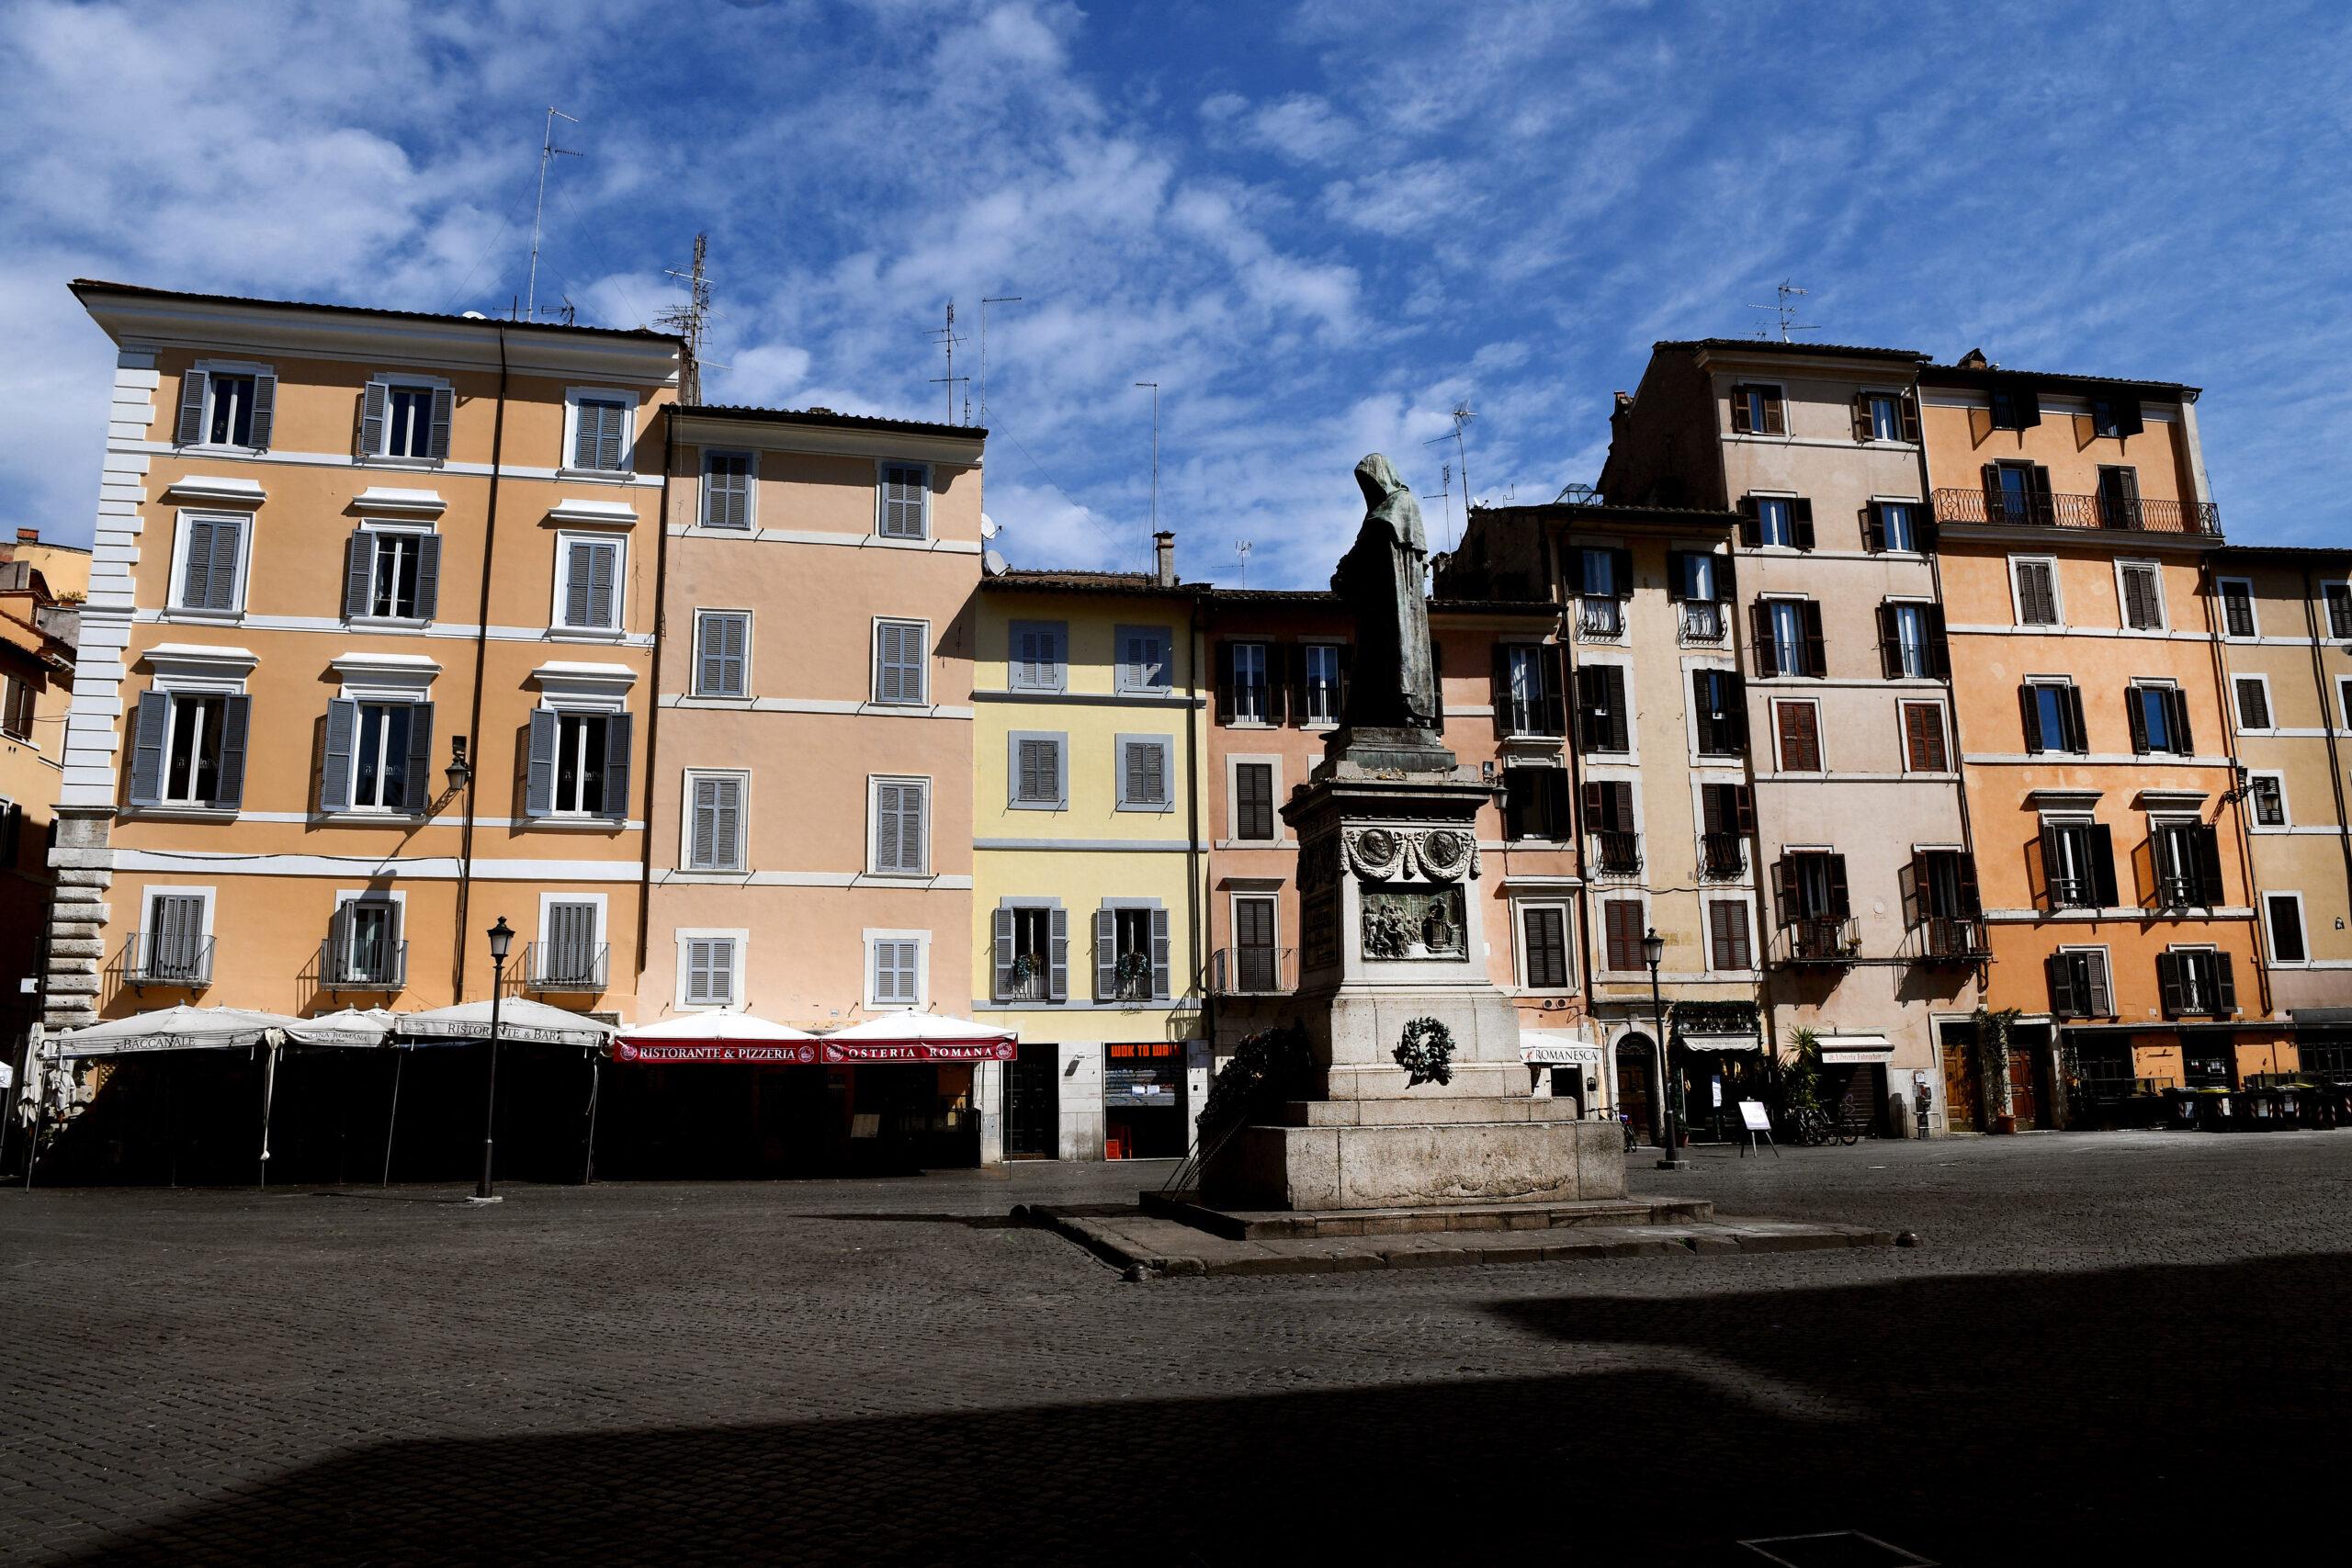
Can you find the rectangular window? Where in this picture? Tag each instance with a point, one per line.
(364, 948)
(2079, 983)
(1322, 663)
(1608, 816)
(2016, 408)
(1032, 953)
(905, 502)
(727, 489)
(1527, 688)
(1694, 577)
(903, 662)
(1758, 410)
(1535, 805)
(188, 748)
(211, 561)
(1923, 739)
(2078, 865)
(2159, 720)
(2035, 586)
(2286, 920)
(571, 955)
(2188, 861)
(231, 421)
(1143, 773)
(1253, 801)
(2053, 717)
(379, 756)
(1037, 655)
(2269, 797)
(710, 971)
(1728, 947)
(1622, 921)
(1143, 658)
(192, 750)
(1040, 772)
(902, 826)
(897, 970)
(715, 821)
(2237, 608)
(581, 741)
(2116, 416)
(1726, 816)
(17, 698)
(174, 948)
(1798, 725)
(600, 435)
(1602, 723)
(2338, 596)
(1544, 929)
(1719, 707)
(1895, 525)
(407, 422)
(722, 653)
(401, 569)
(1130, 955)
(1257, 961)
(2142, 587)
(2197, 982)
(2119, 498)
(1248, 694)
(1907, 641)
(1600, 574)
(1883, 411)
(1774, 521)
(589, 599)
(1788, 637)
(2254, 702)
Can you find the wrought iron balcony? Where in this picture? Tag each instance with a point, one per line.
(580, 966)
(1600, 620)
(1253, 971)
(1033, 986)
(2073, 893)
(1952, 938)
(1985, 508)
(1703, 624)
(2175, 890)
(168, 958)
(1617, 855)
(371, 967)
(1823, 939)
(1722, 857)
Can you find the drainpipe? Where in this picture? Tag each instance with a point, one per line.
(1951, 704)
(1569, 744)
(2327, 732)
(2209, 589)
(653, 707)
(1193, 870)
(481, 654)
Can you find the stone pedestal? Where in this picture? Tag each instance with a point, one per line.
(1390, 932)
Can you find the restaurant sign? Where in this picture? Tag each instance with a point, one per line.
(711, 1051)
(810, 1052)
(917, 1051)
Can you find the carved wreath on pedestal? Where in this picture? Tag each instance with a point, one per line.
(1387, 855)
(1426, 1053)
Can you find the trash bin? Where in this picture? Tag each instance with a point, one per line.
(2213, 1110)
(2180, 1109)
(2291, 1101)
(2257, 1109)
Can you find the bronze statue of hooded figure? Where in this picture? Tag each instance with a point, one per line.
(1382, 580)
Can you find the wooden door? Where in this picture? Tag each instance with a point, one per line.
(1962, 1105)
(2024, 1098)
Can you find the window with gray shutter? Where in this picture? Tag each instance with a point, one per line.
(710, 971)
(901, 661)
(174, 940)
(1036, 655)
(190, 428)
(897, 981)
(714, 838)
(900, 825)
(570, 957)
(1143, 772)
(600, 436)
(905, 513)
(1039, 776)
(723, 639)
(726, 490)
(1143, 658)
(209, 576)
(591, 569)
(2254, 703)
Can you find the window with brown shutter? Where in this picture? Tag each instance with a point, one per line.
(1624, 921)
(2254, 703)
(1758, 410)
(1727, 944)
(1253, 800)
(1923, 738)
(2036, 585)
(1800, 731)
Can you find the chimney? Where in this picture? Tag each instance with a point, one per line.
(1163, 558)
(29, 535)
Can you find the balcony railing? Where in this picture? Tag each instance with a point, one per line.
(1823, 939)
(582, 966)
(1617, 855)
(1952, 938)
(159, 958)
(1987, 508)
(1703, 624)
(1253, 971)
(1600, 620)
(2176, 891)
(1722, 857)
(1036, 986)
(2073, 893)
(345, 968)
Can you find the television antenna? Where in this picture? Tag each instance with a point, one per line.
(688, 320)
(985, 303)
(1155, 453)
(947, 339)
(1786, 310)
(549, 152)
(1462, 414)
(1242, 547)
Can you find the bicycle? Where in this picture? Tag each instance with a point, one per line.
(1815, 1127)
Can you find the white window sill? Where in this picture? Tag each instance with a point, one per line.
(1054, 690)
(209, 617)
(218, 449)
(901, 876)
(586, 634)
(722, 700)
(605, 476)
(923, 538)
(897, 707)
(385, 460)
(1036, 805)
(1146, 692)
(575, 823)
(368, 816)
(708, 1007)
(385, 622)
(184, 811)
(712, 874)
(1160, 806)
(1539, 844)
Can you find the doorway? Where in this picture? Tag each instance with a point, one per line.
(1032, 1105)
(1637, 1085)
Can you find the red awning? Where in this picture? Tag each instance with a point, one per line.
(915, 1050)
(654, 1055)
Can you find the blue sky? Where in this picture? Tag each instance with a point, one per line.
(1318, 226)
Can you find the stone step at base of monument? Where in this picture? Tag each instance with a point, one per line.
(1287, 1224)
(1374, 1112)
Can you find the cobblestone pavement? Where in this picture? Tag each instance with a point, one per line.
(2109, 1344)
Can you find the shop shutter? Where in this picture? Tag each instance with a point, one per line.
(190, 431)
(1106, 953)
(618, 728)
(1003, 953)
(1160, 978)
(371, 419)
(334, 777)
(149, 729)
(1057, 973)
(538, 778)
(416, 788)
(264, 410)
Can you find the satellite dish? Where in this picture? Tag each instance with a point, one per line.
(476, 316)
(993, 563)
(987, 526)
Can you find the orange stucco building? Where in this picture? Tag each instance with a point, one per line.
(2075, 528)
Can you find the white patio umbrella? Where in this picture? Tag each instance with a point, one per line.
(713, 1037)
(356, 1029)
(184, 1028)
(518, 1019)
(918, 1037)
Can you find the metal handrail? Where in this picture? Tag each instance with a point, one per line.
(1600, 620)
(1252, 972)
(1617, 855)
(1959, 937)
(182, 961)
(567, 966)
(1822, 939)
(1703, 623)
(1722, 856)
(1994, 510)
(338, 972)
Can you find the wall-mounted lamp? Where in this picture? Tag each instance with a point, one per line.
(460, 772)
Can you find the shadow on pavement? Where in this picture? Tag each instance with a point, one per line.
(2150, 1413)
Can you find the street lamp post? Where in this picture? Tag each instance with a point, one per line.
(1670, 1158)
(501, 937)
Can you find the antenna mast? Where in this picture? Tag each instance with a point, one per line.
(1461, 415)
(947, 339)
(1787, 312)
(1155, 452)
(985, 303)
(1242, 547)
(549, 152)
(688, 320)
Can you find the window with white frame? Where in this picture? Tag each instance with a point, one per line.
(2079, 985)
(2197, 982)
(1898, 524)
(1247, 681)
(715, 821)
(571, 954)
(1144, 658)
(904, 501)
(1037, 656)
(709, 969)
(19, 694)
(2140, 586)
(579, 764)
(364, 947)
(727, 489)
(901, 811)
(1131, 950)
(2253, 693)
(2268, 793)
(588, 584)
(208, 562)
(2237, 608)
(2283, 915)
(1543, 962)
(173, 945)
(188, 748)
(722, 653)
(378, 756)
(405, 419)
(224, 404)
(2336, 599)
(894, 966)
(2033, 584)
(901, 663)
(601, 437)
(1323, 666)
(392, 574)
(1145, 774)
(1038, 763)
